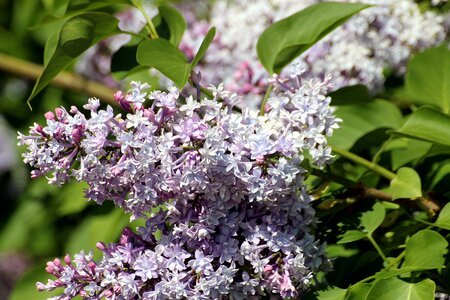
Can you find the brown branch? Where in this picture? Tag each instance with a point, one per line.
(65, 80)
(364, 192)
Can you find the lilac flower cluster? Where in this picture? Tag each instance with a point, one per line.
(384, 36)
(227, 214)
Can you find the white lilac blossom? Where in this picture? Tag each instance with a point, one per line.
(384, 36)
(224, 190)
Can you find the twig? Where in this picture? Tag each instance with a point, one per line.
(66, 80)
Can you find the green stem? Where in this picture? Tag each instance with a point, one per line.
(66, 80)
(375, 245)
(377, 155)
(138, 35)
(264, 102)
(365, 163)
(396, 260)
(150, 27)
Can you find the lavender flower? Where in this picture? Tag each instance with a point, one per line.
(234, 216)
(384, 36)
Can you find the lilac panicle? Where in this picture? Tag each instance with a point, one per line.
(224, 190)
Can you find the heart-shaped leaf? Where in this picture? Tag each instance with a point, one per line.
(428, 78)
(394, 288)
(425, 250)
(286, 39)
(427, 124)
(406, 184)
(166, 58)
(370, 220)
(76, 36)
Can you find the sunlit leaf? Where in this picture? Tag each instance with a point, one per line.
(427, 124)
(76, 36)
(166, 58)
(358, 291)
(427, 78)
(286, 39)
(406, 184)
(333, 293)
(443, 219)
(394, 288)
(425, 249)
(370, 220)
(361, 119)
(204, 46)
(351, 236)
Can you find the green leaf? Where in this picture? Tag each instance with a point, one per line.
(76, 36)
(354, 94)
(425, 249)
(166, 58)
(25, 287)
(427, 124)
(93, 229)
(334, 293)
(174, 20)
(404, 151)
(370, 220)
(361, 119)
(352, 236)
(204, 46)
(71, 198)
(443, 219)
(394, 288)
(358, 291)
(340, 251)
(286, 39)
(428, 78)
(50, 47)
(406, 184)
(75, 6)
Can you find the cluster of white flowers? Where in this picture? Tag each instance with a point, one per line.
(383, 36)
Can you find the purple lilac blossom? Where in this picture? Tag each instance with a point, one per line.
(384, 36)
(223, 189)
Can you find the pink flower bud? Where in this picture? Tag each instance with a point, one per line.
(49, 116)
(49, 269)
(36, 174)
(73, 109)
(260, 159)
(59, 113)
(57, 262)
(100, 246)
(268, 268)
(67, 259)
(118, 96)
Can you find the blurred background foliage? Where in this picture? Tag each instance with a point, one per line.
(38, 221)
